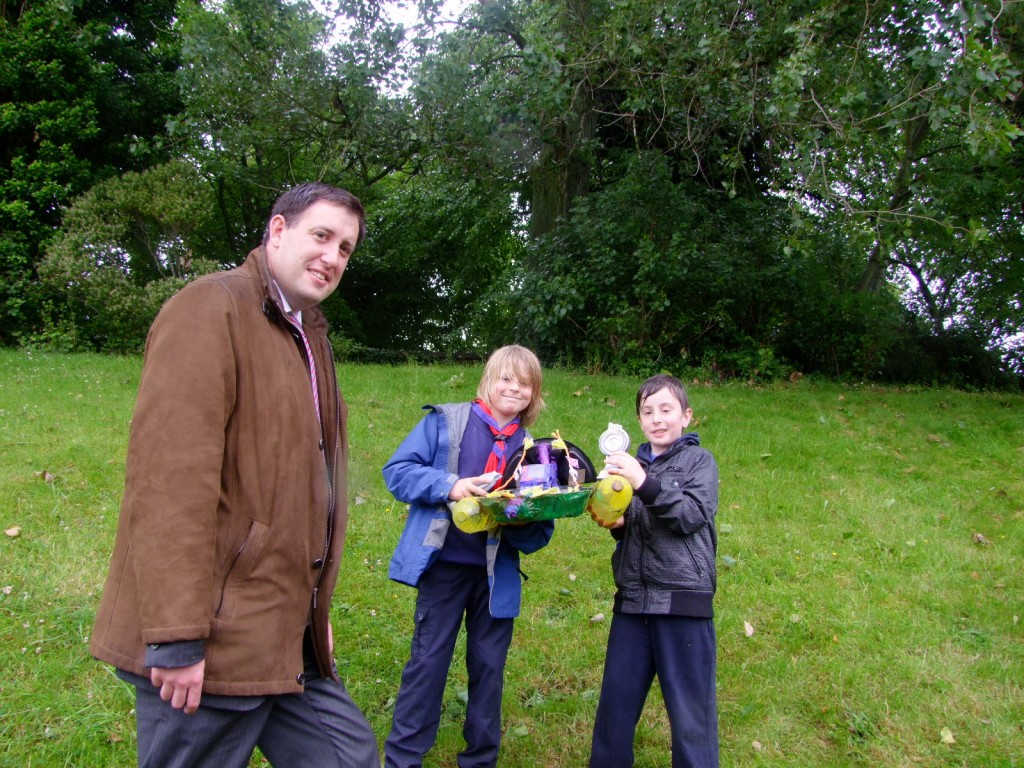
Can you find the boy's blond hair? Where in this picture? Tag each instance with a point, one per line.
(523, 366)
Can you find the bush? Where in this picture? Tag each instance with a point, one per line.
(127, 246)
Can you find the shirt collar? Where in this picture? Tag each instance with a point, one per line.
(284, 302)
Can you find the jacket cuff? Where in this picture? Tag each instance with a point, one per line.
(183, 653)
(649, 490)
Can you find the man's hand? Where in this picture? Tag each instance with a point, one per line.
(182, 686)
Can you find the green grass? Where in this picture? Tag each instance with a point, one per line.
(870, 537)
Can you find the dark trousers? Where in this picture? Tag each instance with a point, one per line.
(447, 592)
(681, 652)
(319, 728)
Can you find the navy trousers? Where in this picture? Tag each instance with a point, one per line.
(681, 652)
(319, 728)
(447, 592)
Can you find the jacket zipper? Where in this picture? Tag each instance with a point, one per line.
(643, 540)
(641, 525)
(331, 489)
(328, 476)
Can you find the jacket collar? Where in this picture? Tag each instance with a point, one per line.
(312, 319)
(643, 453)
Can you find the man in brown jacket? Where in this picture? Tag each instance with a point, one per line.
(234, 511)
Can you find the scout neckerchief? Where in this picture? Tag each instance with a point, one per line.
(496, 461)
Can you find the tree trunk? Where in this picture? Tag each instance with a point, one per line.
(873, 278)
(562, 172)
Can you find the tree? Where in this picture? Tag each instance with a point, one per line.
(858, 115)
(270, 102)
(126, 246)
(434, 275)
(82, 87)
(273, 98)
(917, 140)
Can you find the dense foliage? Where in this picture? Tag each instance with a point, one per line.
(81, 84)
(751, 189)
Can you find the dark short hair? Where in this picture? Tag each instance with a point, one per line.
(297, 199)
(659, 382)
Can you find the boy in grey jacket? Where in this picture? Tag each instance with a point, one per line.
(664, 567)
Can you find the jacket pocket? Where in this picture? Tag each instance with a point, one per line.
(437, 532)
(246, 556)
(693, 558)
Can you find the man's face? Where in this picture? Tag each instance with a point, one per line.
(308, 255)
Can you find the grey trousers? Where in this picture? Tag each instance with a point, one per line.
(320, 727)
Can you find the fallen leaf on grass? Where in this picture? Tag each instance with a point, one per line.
(47, 476)
(748, 629)
(979, 538)
(14, 531)
(757, 745)
(946, 736)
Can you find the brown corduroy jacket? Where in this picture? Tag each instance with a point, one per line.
(233, 518)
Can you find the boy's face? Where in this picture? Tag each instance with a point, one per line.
(509, 397)
(663, 419)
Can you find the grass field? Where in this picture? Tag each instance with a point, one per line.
(871, 584)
